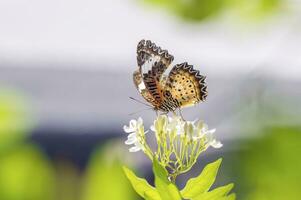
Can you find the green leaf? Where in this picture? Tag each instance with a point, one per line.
(230, 197)
(141, 186)
(203, 182)
(216, 194)
(166, 189)
(151, 196)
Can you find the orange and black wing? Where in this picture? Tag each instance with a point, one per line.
(152, 62)
(139, 83)
(185, 85)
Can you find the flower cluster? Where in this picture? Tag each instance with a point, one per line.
(179, 142)
(136, 137)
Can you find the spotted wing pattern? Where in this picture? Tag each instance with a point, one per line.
(183, 87)
(186, 86)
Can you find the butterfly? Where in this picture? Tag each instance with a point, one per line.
(182, 87)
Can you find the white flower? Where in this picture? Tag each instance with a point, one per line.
(168, 125)
(211, 141)
(176, 124)
(201, 131)
(198, 130)
(136, 134)
(179, 142)
(133, 126)
(194, 131)
(160, 124)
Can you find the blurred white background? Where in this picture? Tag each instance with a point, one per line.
(104, 34)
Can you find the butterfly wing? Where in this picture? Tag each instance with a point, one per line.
(138, 81)
(153, 59)
(152, 62)
(186, 85)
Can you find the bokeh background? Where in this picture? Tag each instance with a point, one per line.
(66, 78)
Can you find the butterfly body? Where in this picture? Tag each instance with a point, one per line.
(183, 87)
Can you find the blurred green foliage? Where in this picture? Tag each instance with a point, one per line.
(270, 167)
(104, 178)
(25, 174)
(199, 10)
(256, 9)
(15, 121)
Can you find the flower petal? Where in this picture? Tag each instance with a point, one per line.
(128, 129)
(216, 144)
(132, 138)
(132, 135)
(134, 149)
(205, 127)
(133, 123)
(140, 121)
(130, 141)
(138, 144)
(211, 131)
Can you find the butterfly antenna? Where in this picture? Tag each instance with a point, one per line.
(140, 102)
(139, 111)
